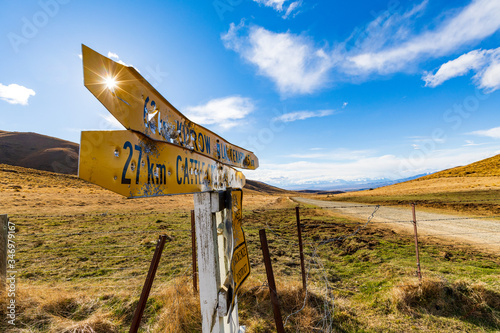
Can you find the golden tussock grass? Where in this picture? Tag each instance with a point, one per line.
(181, 308)
(439, 297)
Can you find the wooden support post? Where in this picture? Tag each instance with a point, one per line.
(270, 281)
(136, 321)
(193, 251)
(302, 266)
(419, 273)
(212, 268)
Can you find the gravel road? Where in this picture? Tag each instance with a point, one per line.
(483, 233)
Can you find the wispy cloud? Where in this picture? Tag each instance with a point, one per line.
(301, 115)
(280, 6)
(389, 44)
(224, 112)
(116, 58)
(469, 143)
(340, 154)
(15, 94)
(491, 133)
(292, 62)
(485, 63)
(291, 8)
(473, 23)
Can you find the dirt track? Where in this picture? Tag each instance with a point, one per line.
(482, 233)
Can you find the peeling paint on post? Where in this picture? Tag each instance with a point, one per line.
(212, 269)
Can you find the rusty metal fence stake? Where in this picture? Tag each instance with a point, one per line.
(193, 251)
(270, 281)
(419, 273)
(302, 266)
(139, 311)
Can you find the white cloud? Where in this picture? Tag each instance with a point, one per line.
(340, 154)
(292, 62)
(293, 6)
(344, 105)
(485, 63)
(492, 133)
(15, 94)
(475, 22)
(279, 6)
(116, 58)
(301, 115)
(224, 112)
(393, 42)
(275, 4)
(469, 143)
(113, 56)
(457, 67)
(489, 79)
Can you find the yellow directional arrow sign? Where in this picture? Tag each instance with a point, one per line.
(240, 263)
(135, 166)
(139, 107)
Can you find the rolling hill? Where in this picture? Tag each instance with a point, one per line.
(36, 151)
(489, 167)
(483, 175)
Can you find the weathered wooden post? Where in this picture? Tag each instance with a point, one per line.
(193, 253)
(301, 250)
(161, 152)
(419, 273)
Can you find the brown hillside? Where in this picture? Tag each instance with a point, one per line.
(489, 167)
(34, 192)
(264, 188)
(478, 176)
(32, 150)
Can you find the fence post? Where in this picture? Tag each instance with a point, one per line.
(302, 266)
(4, 227)
(270, 281)
(193, 251)
(419, 273)
(136, 321)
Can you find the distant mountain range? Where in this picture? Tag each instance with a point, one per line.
(349, 185)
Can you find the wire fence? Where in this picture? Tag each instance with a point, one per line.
(96, 256)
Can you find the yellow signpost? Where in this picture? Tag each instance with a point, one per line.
(139, 107)
(240, 263)
(135, 166)
(164, 153)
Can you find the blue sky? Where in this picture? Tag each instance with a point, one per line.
(319, 90)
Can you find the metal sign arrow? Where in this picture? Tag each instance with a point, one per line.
(139, 107)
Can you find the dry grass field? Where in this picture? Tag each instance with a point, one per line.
(83, 252)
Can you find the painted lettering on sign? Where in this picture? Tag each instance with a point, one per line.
(139, 167)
